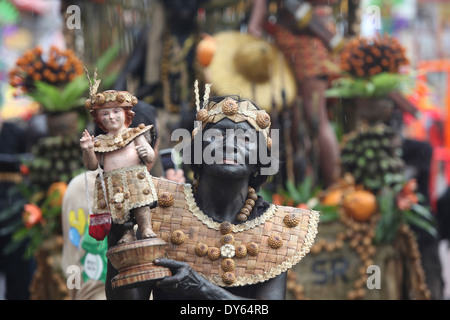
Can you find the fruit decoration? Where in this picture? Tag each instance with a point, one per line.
(292, 219)
(56, 67)
(371, 68)
(55, 159)
(333, 197)
(56, 191)
(41, 218)
(360, 205)
(371, 157)
(407, 196)
(360, 236)
(253, 249)
(55, 78)
(205, 50)
(363, 57)
(275, 241)
(201, 249)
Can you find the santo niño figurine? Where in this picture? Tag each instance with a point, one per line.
(123, 153)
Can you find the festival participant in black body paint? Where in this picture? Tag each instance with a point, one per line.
(224, 241)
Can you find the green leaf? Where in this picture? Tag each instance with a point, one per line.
(305, 189)
(327, 213)
(73, 93)
(370, 88)
(20, 234)
(422, 211)
(294, 194)
(386, 82)
(110, 79)
(375, 86)
(47, 95)
(107, 57)
(416, 220)
(390, 218)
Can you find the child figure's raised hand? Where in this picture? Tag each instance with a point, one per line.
(86, 141)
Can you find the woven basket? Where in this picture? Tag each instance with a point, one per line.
(134, 261)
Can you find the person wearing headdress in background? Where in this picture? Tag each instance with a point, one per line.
(162, 67)
(308, 44)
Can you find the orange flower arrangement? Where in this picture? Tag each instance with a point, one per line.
(31, 215)
(407, 196)
(56, 67)
(367, 57)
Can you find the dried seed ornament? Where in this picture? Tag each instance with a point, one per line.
(178, 237)
(201, 249)
(165, 199)
(275, 241)
(292, 219)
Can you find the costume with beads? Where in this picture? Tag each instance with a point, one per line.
(232, 255)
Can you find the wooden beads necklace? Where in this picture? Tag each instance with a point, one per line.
(247, 209)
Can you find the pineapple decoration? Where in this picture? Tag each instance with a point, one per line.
(371, 74)
(370, 155)
(55, 159)
(57, 67)
(364, 58)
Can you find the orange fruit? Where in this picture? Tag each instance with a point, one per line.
(59, 187)
(360, 205)
(302, 206)
(332, 198)
(205, 50)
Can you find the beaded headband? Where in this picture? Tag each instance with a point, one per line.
(106, 99)
(235, 111)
